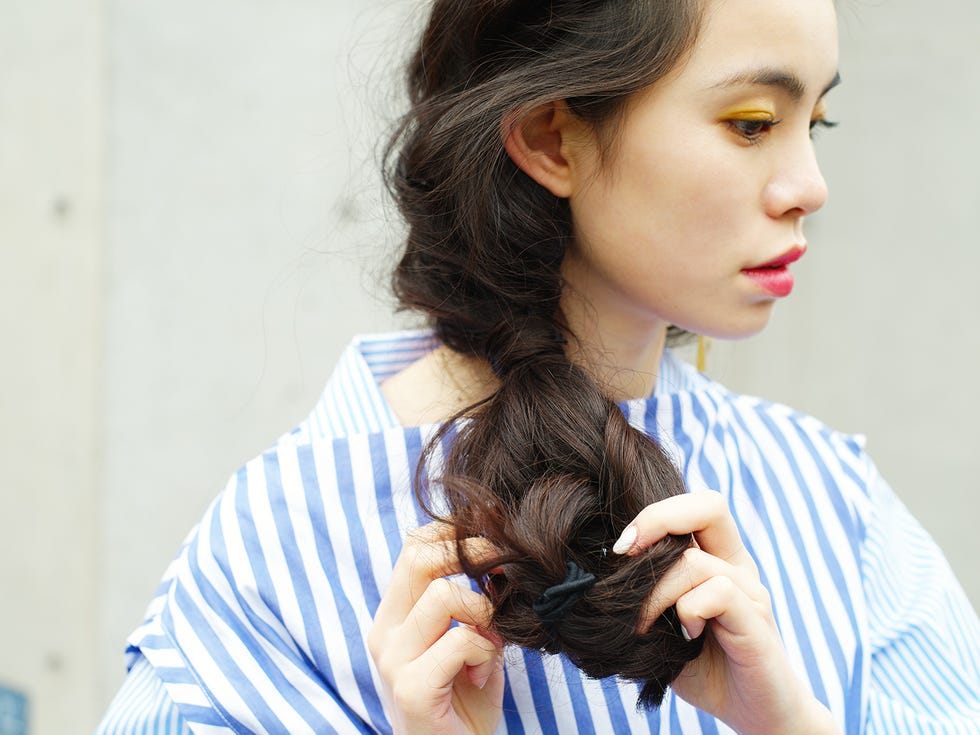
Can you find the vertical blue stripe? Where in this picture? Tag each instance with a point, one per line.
(540, 693)
(227, 664)
(383, 497)
(247, 618)
(706, 469)
(614, 703)
(828, 555)
(300, 582)
(681, 439)
(675, 721)
(853, 684)
(709, 725)
(247, 635)
(355, 529)
(350, 632)
(580, 704)
(909, 667)
(512, 716)
(250, 540)
(799, 625)
(414, 447)
(653, 719)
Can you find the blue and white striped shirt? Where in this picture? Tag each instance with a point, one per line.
(259, 624)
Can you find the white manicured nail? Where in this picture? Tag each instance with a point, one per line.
(626, 541)
(687, 636)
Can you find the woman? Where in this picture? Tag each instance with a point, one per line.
(579, 179)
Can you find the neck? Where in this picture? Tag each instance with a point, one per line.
(623, 361)
(619, 346)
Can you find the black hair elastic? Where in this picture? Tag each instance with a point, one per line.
(554, 602)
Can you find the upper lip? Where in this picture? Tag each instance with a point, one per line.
(790, 256)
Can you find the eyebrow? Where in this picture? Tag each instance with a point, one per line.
(770, 77)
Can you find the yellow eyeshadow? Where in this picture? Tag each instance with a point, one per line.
(748, 115)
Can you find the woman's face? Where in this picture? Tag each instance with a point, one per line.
(701, 203)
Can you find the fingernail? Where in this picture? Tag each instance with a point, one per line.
(687, 636)
(483, 681)
(626, 540)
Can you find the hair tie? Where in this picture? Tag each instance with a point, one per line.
(554, 602)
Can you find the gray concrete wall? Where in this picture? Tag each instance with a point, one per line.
(191, 231)
(242, 237)
(52, 112)
(881, 335)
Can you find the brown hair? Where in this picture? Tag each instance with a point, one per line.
(547, 468)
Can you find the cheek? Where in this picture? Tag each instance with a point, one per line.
(674, 208)
(694, 194)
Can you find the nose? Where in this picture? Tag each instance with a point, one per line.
(796, 188)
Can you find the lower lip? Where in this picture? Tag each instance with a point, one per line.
(775, 281)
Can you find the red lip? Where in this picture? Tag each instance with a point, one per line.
(790, 256)
(773, 276)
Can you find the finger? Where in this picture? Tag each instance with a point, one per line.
(430, 676)
(426, 555)
(703, 513)
(693, 569)
(727, 605)
(479, 675)
(440, 604)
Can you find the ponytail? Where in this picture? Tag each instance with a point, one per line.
(547, 468)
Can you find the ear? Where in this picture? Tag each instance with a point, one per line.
(547, 144)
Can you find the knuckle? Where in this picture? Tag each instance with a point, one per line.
(408, 557)
(374, 642)
(464, 638)
(403, 693)
(414, 539)
(716, 503)
(687, 607)
(384, 665)
(385, 670)
(457, 636)
(645, 515)
(442, 590)
(724, 586)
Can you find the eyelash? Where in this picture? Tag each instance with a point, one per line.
(754, 130)
(821, 123)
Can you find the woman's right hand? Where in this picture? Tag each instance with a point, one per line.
(743, 675)
(438, 679)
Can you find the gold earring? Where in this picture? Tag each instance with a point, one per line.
(704, 343)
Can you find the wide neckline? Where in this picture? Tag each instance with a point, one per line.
(354, 399)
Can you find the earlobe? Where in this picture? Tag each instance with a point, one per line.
(539, 142)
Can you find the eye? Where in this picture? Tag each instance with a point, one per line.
(753, 130)
(815, 125)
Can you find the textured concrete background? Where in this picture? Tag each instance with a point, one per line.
(191, 231)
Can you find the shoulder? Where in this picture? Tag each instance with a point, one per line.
(300, 543)
(779, 427)
(730, 439)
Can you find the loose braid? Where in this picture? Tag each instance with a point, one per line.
(547, 468)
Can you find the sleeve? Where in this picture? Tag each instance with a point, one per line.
(924, 635)
(255, 634)
(142, 706)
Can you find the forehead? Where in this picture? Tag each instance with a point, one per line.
(797, 35)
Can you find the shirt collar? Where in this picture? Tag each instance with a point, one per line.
(352, 401)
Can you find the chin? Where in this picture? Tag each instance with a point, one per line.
(743, 323)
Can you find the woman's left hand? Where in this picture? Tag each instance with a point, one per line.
(743, 675)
